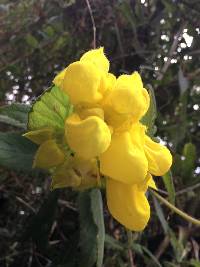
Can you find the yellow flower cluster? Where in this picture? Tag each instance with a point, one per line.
(105, 125)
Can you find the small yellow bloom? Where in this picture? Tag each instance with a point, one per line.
(82, 83)
(58, 80)
(127, 204)
(125, 160)
(97, 57)
(89, 137)
(128, 101)
(158, 156)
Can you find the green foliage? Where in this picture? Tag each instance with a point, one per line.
(16, 152)
(150, 116)
(188, 163)
(92, 233)
(50, 110)
(15, 114)
(169, 185)
(176, 245)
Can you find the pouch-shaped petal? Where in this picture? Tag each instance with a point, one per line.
(58, 80)
(98, 58)
(159, 157)
(124, 160)
(39, 136)
(48, 155)
(89, 137)
(81, 82)
(128, 99)
(128, 205)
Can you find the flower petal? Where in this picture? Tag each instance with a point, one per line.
(81, 82)
(98, 58)
(159, 157)
(125, 160)
(89, 137)
(48, 155)
(128, 205)
(58, 80)
(128, 100)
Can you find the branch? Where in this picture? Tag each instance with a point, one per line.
(93, 23)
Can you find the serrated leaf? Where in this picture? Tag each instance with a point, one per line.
(16, 152)
(15, 114)
(169, 185)
(188, 164)
(92, 232)
(151, 114)
(50, 110)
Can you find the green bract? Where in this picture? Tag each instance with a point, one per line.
(50, 110)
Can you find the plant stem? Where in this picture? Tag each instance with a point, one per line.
(130, 243)
(175, 209)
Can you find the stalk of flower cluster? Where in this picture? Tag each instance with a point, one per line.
(175, 209)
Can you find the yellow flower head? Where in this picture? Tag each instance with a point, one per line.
(104, 126)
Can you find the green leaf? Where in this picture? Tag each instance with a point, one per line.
(188, 164)
(169, 185)
(92, 232)
(16, 152)
(15, 114)
(50, 110)
(149, 118)
(113, 243)
(151, 256)
(97, 212)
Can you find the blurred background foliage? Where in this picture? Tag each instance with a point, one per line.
(38, 38)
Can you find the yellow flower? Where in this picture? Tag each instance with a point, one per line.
(89, 137)
(158, 156)
(84, 81)
(128, 204)
(97, 57)
(105, 126)
(125, 160)
(127, 102)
